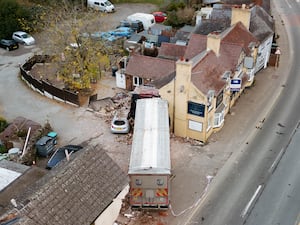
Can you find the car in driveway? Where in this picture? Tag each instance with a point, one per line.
(106, 36)
(120, 123)
(23, 38)
(159, 17)
(122, 32)
(61, 153)
(9, 44)
(137, 26)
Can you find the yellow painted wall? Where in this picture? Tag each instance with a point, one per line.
(214, 42)
(167, 93)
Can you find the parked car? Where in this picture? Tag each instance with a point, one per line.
(60, 154)
(23, 38)
(137, 26)
(106, 36)
(159, 17)
(122, 32)
(120, 123)
(46, 144)
(9, 44)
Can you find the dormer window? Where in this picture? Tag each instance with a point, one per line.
(226, 75)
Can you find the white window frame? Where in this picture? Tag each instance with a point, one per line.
(208, 124)
(210, 99)
(219, 119)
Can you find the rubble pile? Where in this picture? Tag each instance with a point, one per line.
(14, 136)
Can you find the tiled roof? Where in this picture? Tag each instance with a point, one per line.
(229, 55)
(237, 2)
(171, 51)
(206, 75)
(77, 193)
(263, 3)
(149, 67)
(208, 26)
(238, 34)
(262, 24)
(183, 33)
(196, 45)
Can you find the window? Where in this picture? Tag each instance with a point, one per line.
(159, 181)
(210, 97)
(219, 119)
(138, 182)
(226, 75)
(219, 99)
(137, 81)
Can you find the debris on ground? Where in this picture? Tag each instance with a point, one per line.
(129, 216)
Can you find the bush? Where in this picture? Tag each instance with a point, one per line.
(2, 149)
(3, 124)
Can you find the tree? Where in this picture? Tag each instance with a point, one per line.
(10, 14)
(179, 13)
(79, 59)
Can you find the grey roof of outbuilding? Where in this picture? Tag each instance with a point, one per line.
(75, 193)
(262, 24)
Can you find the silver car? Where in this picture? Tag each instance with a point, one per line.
(120, 123)
(23, 38)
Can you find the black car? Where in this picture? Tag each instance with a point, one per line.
(137, 25)
(60, 154)
(8, 44)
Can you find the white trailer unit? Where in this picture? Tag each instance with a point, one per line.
(147, 19)
(150, 163)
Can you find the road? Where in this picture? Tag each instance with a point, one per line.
(239, 183)
(279, 202)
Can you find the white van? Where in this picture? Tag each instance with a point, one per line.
(146, 18)
(101, 5)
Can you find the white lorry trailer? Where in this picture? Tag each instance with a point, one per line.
(150, 165)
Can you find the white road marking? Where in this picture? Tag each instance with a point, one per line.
(276, 161)
(246, 209)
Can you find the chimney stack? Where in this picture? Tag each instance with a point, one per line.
(214, 42)
(241, 14)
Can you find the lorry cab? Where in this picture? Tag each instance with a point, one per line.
(101, 5)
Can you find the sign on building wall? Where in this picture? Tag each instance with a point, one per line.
(235, 84)
(193, 125)
(196, 109)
